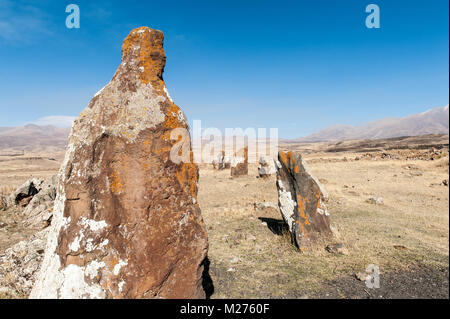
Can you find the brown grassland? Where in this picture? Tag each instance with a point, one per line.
(250, 252)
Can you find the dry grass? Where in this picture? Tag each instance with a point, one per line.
(414, 215)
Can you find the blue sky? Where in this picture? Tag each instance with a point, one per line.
(299, 66)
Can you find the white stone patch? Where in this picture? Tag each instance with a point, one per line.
(119, 265)
(92, 224)
(287, 205)
(74, 286)
(167, 93)
(93, 267)
(75, 245)
(121, 285)
(323, 211)
(185, 219)
(236, 160)
(99, 91)
(181, 117)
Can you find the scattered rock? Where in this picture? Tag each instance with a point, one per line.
(375, 200)
(337, 249)
(24, 194)
(39, 211)
(362, 276)
(266, 167)
(445, 182)
(234, 260)
(415, 173)
(301, 199)
(221, 161)
(126, 222)
(264, 205)
(20, 264)
(239, 163)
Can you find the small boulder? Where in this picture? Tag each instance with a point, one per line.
(24, 194)
(266, 167)
(337, 249)
(39, 211)
(375, 200)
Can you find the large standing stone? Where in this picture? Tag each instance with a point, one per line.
(239, 163)
(126, 221)
(301, 200)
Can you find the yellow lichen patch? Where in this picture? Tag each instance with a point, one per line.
(187, 177)
(302, 229)
(151, 55)
(286, 158)
(301, 208)
(115, 184)
(172, 118)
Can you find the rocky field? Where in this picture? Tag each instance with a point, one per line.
(387, 208)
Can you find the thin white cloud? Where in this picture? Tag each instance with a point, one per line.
(55, 120)
(21, 22)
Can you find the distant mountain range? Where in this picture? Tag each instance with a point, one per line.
(33, 137)
(434, 121)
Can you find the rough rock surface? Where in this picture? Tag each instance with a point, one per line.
(39, 211)
(20, 264)
(239, 163)
(222, 161)
(126, 222)
(218, 161)
(301, 200)
(24, 193)
(266, 166)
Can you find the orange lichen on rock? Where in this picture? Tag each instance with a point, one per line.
(131, 226)
(301, 200)
(115, 184)
(147, 45)
(172, 119)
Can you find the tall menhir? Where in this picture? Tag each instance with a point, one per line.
(126, 220)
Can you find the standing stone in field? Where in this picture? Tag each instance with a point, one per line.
(126, 221)
(301, 200)
(218, 161)
(266, 166)
(239, 163)
(226, 162)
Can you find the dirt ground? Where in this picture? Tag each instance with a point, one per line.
(250, 253)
